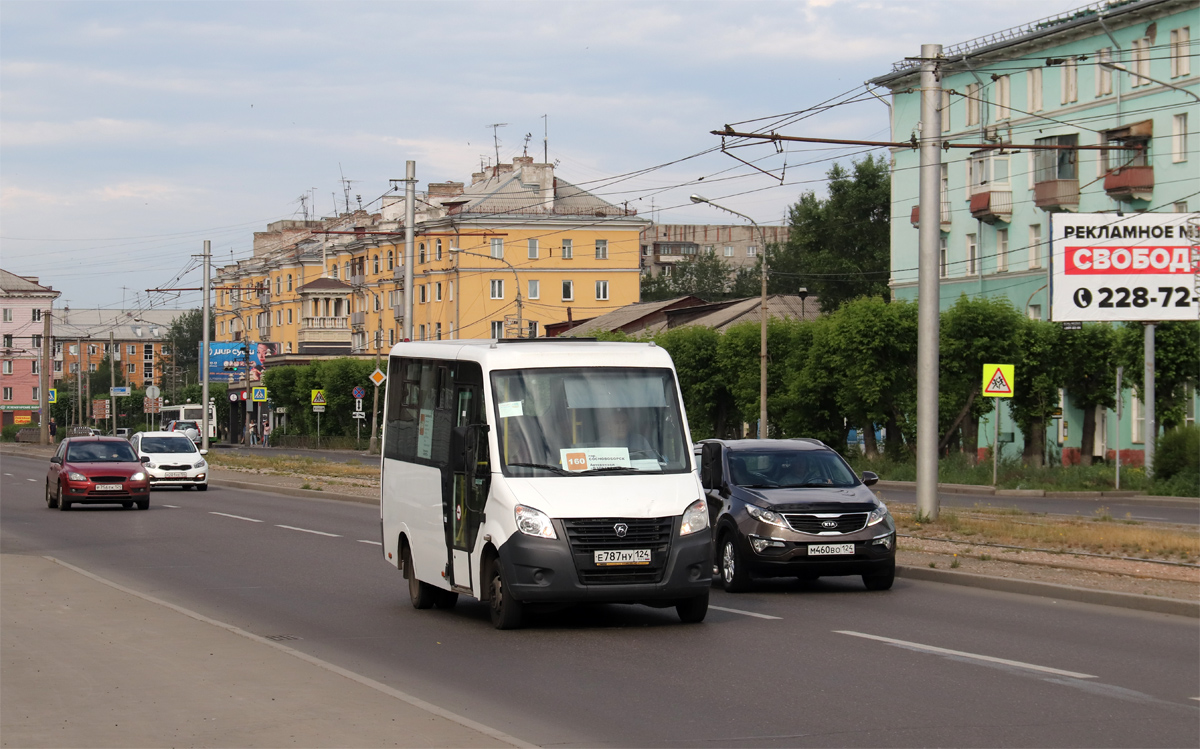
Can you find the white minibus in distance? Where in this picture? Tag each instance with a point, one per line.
(528, 473)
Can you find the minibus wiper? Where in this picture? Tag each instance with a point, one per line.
(610, 468)
(543, 466)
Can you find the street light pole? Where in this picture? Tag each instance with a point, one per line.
(1123, 69)
(516, 279)
(762, 350)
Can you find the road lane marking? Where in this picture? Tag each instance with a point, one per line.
(306, 530)
(33, 480)
(1145, 517)
(373, 543)
(961, 654)
(8, 474)
(235, 517)
(173, 507)
(744, 613)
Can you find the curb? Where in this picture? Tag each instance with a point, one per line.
(1053, 590)
(291, 492)
(1126, 497)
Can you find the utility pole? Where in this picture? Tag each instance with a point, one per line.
(79, 381)
(928, 291)
(204, 347)
(1151, 425)
(410, 216)
(44, 382)
(374, 441)
(112, 382)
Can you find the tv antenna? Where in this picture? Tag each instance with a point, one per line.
(496, 140)
(345, 187)
(546, 138)
(528, 137)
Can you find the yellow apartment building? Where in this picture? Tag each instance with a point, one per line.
(515, 250)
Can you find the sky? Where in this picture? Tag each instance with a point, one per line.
(131, 132)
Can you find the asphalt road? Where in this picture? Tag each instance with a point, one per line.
(787, 665)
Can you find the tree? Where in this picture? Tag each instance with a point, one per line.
(1040, 372)
(839, 247)
(708, 403)
(705, 275)
(1176, 363)
(181, 364)
(1090, 370)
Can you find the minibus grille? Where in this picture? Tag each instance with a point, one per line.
(848, 523)
(588, 535)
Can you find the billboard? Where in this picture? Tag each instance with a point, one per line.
(227, 360)
(1107, 267)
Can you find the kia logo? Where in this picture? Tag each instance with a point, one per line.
(828, 523)
(620, 529)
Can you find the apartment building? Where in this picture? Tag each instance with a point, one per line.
(739, 245)
(24, 306)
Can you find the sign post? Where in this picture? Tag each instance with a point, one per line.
(318, 406)
(997, 384)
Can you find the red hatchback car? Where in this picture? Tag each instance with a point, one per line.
(96, 470)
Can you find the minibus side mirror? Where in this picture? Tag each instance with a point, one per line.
(869, 478)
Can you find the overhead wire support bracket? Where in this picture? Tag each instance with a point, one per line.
(912, 143)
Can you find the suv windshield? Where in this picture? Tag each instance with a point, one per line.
(586, 421)
(789, 469)
(101, 452)
(167, 445)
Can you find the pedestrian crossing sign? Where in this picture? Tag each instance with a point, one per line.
(318, 397)
(998, 380)
(52, 396)
(258, 395)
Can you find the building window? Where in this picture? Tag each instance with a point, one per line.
(602, 249)
(391, 336)
(1180, 207)
(1033, 95)
(420, 332)
(74, 367)
(533, 249)
(36, 315)
(391, 261)
(568, 249)
(497, 328)
(279, 317)
(728, 250)
(1125, 136)
(1003, 97)
(1140, 64)
(7, 394)
(568, 291)
(943, 257)
(8, 340)
(375, 264)
(497, 288)
(1070, 81)
(289, 282)
(972, 253)
(1179, 133)
(1034, 312)
(498, 247)
(35, 369)
(36, 341)
(335, 270)
(1053, 164)
(972, 104)
(1001, 250)
(1181, 39)
(221, 328)
(535, 289)
(58, 367)
(602, 291)
(131, 368)
(437, 333)
(1035, 246)
(437, 293)
(1104, 78)
(945, 111)
(346, 270)
(532, 330)
(751, 251)
(93, 366)
(8, 314)
(421, 252)
(986, 172)
(7, 366)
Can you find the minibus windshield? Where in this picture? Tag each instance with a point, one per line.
(576, 421)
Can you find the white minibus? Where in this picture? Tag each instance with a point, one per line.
(535, 473)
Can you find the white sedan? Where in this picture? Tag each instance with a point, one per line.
(173, 459)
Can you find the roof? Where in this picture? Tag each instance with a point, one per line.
(125, 324)
(13, 285)
(325, 284)
(722, 315)
(631, 314)
(531, 189)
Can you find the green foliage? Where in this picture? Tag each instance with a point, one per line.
(694, 351)
(9, 432)
(1176, 363)
(705, 275)
(292, 388)
(1177, 452)
(1040, 372)
(839, 247)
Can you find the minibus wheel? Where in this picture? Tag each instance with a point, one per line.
(693, 610)
(506, 611)
(421, 594)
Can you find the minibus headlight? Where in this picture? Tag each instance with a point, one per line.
(878, 515)
(765, 516)
(695, 518)
(533, 522)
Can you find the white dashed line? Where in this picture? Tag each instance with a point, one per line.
(306, 530)
(173, 507)
(8, 474)
(33, 480)
(1145, 517)
(373, 543)
(961, 654)
(744, 613)
(235, 517)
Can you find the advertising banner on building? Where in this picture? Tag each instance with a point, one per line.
(227, 362)
(1106, 267)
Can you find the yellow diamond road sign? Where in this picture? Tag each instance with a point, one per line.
(997, 380)
(318, 397)
(377, 377)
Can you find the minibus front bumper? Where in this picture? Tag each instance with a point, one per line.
(563, 570)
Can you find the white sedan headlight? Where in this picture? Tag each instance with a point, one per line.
(533, 522)
(150, 465)
(695, 518)
(199, 465)
(877, 515)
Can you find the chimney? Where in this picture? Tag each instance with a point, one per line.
(445, 189)
(522, 160)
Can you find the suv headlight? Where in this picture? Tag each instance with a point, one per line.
(72, 476)
(533, 522)
(765, 516)
(878, 515)
(695, 518)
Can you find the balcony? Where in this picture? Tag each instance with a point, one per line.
(398, 312)
(1057, 194)
(358, 280)
(915, 218)
(323, 335)
(325, 323)
(992, 206)
(358, 319)
(264, 297)
(1130, 183)
(398, 273)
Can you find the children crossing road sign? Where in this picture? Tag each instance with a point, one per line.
(997, 380)
(318, 397)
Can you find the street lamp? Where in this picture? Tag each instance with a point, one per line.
(1123, 69)
(762, 352)
(802, 292)
(517, 279)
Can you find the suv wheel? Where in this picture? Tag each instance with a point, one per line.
(881, 580)
(732, 565)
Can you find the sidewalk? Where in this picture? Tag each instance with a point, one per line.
(83, 663)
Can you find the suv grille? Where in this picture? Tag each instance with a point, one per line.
(848, 523)
(587, 535)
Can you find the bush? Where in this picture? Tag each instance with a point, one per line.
(1178, 451)
(9, 433)
(1182, 484)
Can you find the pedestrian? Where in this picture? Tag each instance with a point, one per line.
(253, 434)
(266, 430)
(53, 430)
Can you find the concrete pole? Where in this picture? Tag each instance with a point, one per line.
(44, 382)
(112, 382)
(1151, 431)
(1120, 372)
(762, 344)
(410, 217)
(207, 288)
(79, 381)
(928, 291)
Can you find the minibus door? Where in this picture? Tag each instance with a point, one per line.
(472, 475)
